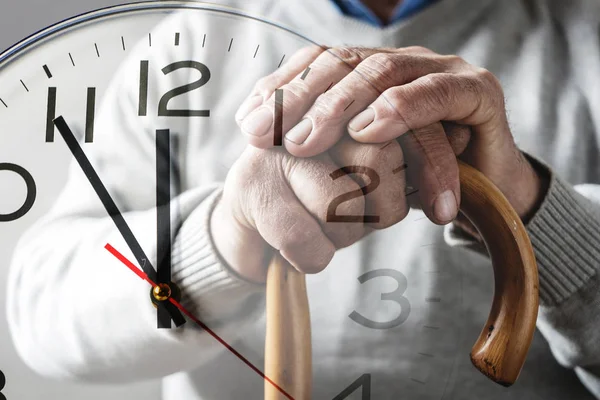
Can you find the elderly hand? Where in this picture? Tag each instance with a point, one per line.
(272, 199)
(380, 95)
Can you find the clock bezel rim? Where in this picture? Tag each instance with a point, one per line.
(30, 42)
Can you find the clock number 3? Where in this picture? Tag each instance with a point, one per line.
(163, 109)
(396, 296)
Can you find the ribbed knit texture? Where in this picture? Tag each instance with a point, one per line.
(209, 288)
(565, 234)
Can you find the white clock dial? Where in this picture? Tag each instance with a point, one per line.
(137, 55)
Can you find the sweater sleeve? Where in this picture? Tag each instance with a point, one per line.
(75, 311)
(565, 234)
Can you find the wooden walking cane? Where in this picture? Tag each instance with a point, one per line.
(500, 350)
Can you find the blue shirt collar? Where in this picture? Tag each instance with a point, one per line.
(357, 9)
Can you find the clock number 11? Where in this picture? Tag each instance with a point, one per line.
(90, 114)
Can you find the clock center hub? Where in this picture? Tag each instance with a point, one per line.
(161, 292)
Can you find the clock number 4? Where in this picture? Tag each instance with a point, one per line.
(2, 383)
(364, 381)
(163, 109)
(396, 296)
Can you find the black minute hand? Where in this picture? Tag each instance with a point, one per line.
(114, 212)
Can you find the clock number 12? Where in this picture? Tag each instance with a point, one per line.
(163, 109)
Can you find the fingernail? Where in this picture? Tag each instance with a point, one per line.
(445, 206)
(258, 122)
(362, 120)
(249, 105)
(300, 132)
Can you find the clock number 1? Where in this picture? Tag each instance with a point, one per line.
(278, 120)
(163, 109)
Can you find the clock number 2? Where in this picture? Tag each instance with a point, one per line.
(163, 109)
(396, 296)
(332, 216)
(31, 192)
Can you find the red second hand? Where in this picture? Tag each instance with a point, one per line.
(145, 277)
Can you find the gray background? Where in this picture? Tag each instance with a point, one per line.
(19, 19)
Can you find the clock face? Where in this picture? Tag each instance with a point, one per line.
(177, 72)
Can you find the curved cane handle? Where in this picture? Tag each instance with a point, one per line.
(501, 349)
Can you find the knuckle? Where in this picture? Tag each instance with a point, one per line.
(349, 56)
(346, 235)
(311, 51)
(317, 265)
(297, 236)
(380, 69)
(472, 85)
(265, 86)
(437, 90)
(489, 79)
(419, 49)
(246, 165)
(296, 90)
(488, 87)
(306, 247)
(397, 98)
(453, 61)
(383, 63)
(330, 105)
(485, 74)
